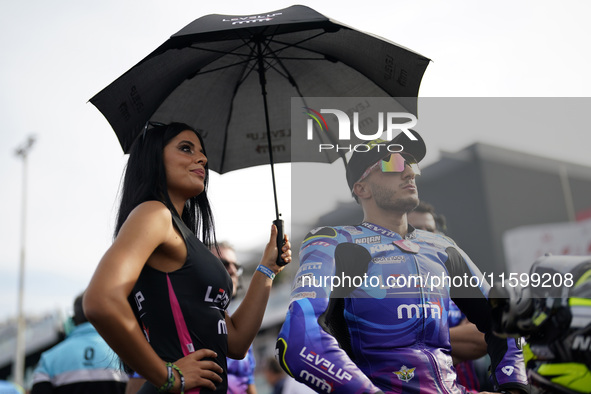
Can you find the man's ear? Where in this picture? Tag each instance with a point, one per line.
(361, 190)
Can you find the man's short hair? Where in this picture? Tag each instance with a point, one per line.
(440, 222)
(225, 245)
(425, 207)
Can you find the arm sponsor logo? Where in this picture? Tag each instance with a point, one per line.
(300, 281)
(317, 243)
(302, 294)
(315, 381)
(325, 367)
(309, 266)
(321, 232)
(352, 230)
(320, 243)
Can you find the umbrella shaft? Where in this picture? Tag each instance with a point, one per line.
(263, 83)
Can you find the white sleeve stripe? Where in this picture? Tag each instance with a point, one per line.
(88, 375)
(39, 377)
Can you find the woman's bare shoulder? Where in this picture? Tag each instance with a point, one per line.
(149, 213)
(153, 207)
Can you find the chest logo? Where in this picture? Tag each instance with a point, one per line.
(220, 300)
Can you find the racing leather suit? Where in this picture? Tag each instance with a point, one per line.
(385, 329)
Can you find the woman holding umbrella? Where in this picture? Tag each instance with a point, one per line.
(158, 295)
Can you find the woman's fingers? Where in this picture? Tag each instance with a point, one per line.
(214, 377)
(199, 371)
(271, 251)
(273, 234)
(286, 247)
(211, 366)
(203, 353)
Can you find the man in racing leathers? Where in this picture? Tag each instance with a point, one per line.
(367, 314)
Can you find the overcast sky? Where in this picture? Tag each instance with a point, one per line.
(58, 54)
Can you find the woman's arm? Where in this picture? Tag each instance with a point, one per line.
(105, 301)
(245, 322)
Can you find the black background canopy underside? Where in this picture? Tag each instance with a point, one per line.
(209, 80)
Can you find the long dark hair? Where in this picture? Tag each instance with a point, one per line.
(145, 180)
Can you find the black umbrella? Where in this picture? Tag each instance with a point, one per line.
(232, 77)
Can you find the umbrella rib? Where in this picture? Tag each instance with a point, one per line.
(232, 52)
(250, 44)
(299, 42)
(248, 56)
(323, 56)
(247, 74)
(269, 53)
(272, 60)
(296, 44)
(240, 81)
(222, 67)
(299, 58)
(294, 83)
(272, 66)
(247, 61)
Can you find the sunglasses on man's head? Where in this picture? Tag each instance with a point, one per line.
(394, 162)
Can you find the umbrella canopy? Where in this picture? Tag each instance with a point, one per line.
(232, 78)
(211, 74)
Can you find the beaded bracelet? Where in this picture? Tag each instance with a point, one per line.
(266, 271)
(169, 384)
(181, 376)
